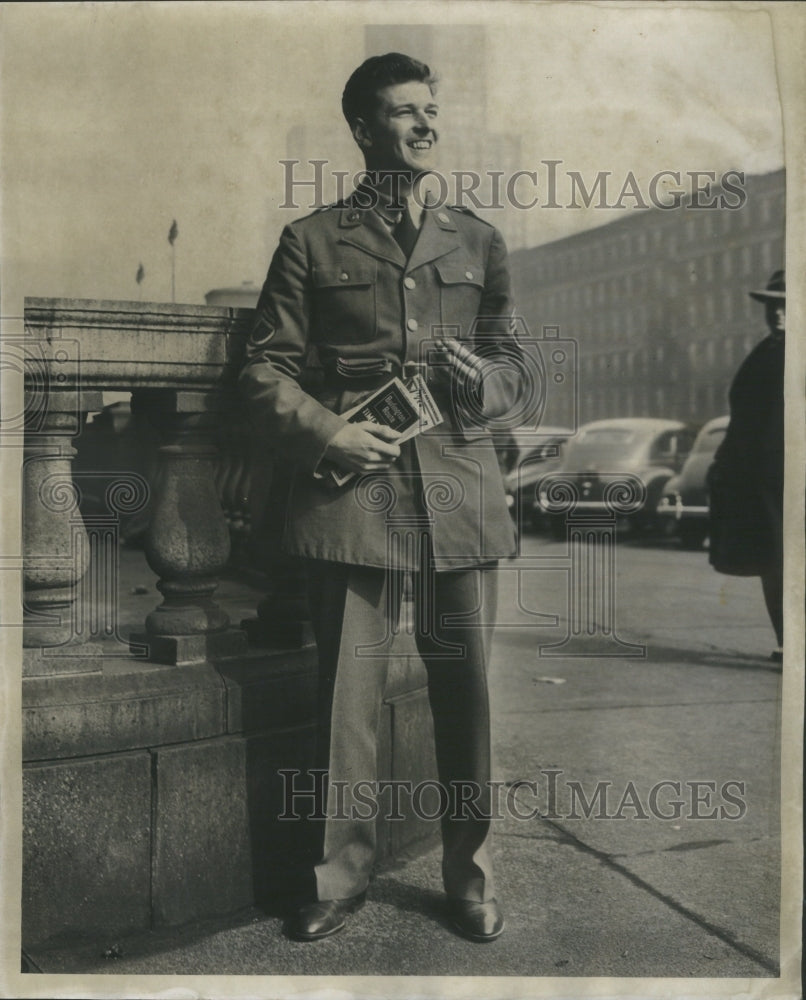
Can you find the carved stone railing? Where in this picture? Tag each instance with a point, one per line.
(180, 364)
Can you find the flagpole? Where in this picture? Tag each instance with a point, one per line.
(172, 234)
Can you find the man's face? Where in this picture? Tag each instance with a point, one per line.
(775, 314)
(401, 135)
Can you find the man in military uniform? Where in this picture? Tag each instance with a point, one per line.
(371, 285)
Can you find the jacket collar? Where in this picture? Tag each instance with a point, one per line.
(365, 229)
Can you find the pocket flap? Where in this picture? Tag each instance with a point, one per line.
(459, 273)
(344, 275)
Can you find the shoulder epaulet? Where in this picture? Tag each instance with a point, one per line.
(466, 211)
(320, 210)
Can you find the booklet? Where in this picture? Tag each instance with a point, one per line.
(405, 406)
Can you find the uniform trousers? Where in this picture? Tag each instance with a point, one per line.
(355, 610)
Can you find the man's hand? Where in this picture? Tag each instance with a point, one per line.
(364, 447)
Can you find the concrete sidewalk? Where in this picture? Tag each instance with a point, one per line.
(638, 887)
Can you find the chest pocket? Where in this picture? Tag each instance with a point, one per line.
(345, 301)
(461, 284)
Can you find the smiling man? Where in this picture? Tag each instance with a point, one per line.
(370, 285)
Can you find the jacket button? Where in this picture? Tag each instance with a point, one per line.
(443, 217)
(353, 217)
(409, 282)
(469, 275)
(412, 325)
(344, 276)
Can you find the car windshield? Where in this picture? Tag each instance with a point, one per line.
(709, 440)
(602, 445)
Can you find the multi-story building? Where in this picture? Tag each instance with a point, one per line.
(657, 301)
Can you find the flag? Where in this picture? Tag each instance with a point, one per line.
(174, 232)
(141, 273)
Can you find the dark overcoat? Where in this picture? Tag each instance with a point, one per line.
(746, 479)
(339, 284)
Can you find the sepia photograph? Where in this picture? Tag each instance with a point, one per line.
(403, 476)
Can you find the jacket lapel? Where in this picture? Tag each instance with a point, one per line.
(365, 229)
(438, 236)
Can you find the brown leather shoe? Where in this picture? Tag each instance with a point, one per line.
(476, 921)
(314, 921)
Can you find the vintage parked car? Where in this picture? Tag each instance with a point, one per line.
(683, 506)
(652, 450)
(535, 456)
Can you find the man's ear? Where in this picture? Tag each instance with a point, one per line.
(362, 133)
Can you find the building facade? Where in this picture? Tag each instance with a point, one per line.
(657, 301)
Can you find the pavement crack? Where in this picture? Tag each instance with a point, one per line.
(651, 705)
(609, 861)
(692, 846)
(696, 845)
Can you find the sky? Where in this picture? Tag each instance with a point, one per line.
(119, 118)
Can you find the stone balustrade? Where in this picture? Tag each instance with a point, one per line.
(180, 365)
(151, 758)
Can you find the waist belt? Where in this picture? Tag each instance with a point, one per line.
(369, 373)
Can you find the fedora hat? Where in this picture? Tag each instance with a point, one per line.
(776, 288)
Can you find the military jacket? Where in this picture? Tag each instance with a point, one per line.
(340, 285)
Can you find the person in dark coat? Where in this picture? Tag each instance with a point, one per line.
(747, 477)
(379, 287)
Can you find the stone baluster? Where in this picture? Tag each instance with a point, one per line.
(187, 542)
(54, 538)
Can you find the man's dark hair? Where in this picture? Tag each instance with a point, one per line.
(360, 96)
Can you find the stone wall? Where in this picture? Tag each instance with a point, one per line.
(151, 793)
